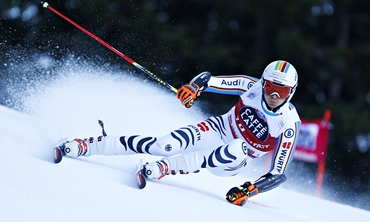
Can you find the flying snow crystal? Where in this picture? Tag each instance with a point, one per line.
(44, 62)
(12, 13)
(29, 13)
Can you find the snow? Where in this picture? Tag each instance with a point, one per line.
(103, 188)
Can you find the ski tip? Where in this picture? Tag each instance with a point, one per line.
(140, 177)
(57, 155)
(263, 205)
(141, 181)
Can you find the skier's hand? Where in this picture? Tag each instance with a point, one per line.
(239, 195)
(188, 93)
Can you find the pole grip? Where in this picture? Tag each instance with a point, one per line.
(45, 4)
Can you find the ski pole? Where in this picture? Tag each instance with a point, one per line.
(46, 5)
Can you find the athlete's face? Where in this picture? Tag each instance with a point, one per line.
(273, 100)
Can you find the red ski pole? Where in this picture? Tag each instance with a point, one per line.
(46, 5)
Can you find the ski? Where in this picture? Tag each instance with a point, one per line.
(262, 205)
(140, 176)
(58, 151)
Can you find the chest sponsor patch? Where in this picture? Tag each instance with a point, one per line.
(255, 121)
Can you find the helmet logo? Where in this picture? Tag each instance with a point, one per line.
(282, 66)
(281, 73)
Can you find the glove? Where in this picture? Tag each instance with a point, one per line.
(239, 195)
(188, 93)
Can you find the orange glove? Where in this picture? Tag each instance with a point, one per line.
(188, 93)
(239, 195)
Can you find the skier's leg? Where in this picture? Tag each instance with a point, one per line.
(226, 160)
(207, 134)
(109, 145)
(203, 135)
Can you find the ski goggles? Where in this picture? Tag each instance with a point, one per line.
(281, 91)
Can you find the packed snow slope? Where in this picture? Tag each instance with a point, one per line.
(103, 188)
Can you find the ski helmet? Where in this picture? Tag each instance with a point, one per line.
(280, 78)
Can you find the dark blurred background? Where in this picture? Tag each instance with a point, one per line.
(327, 41)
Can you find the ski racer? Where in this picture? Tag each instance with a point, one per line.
(262, 121)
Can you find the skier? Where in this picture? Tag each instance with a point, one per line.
(263, 120)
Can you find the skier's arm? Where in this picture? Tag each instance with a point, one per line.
(239, 195)
(232, 85)
(188, 93)
(280, 160)
(204, 82)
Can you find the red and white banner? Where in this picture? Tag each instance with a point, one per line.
(313, 140)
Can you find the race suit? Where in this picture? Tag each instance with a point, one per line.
(225, 144)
